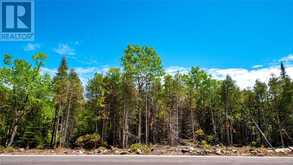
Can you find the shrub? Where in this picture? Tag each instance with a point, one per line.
(210, 138)
(9, 149)
(253, 144)
(205, 144)
(1, 149)
(199, 134)
(140, 148)
(40, 147)
(89, 141)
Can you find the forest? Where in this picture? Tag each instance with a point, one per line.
(139, 103)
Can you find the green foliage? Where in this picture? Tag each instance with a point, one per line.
(199, 133)
(137, 148)
(205, 144)
(210, 138)
(7, 59)
(203, 138)
(138, 104)
(253, 144)
(8, 149)
(2, 149)
(89, 141)
(26, 91)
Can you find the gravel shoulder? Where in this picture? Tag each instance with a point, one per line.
(159, 150)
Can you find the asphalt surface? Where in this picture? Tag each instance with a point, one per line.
(142, 160)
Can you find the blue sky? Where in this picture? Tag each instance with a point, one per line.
(228, 34)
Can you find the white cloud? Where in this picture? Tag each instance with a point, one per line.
(244, 78)
(257, 66)
(64, 49)
(172, 70)
(49, 71)
(86, 73)
(288, 58)
(32, 47)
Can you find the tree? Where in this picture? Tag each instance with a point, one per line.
(25, 90)
(196, 81)
(96, 101)
(173, 97)
(75, 103)
(128, 97)
(144, 65)
(139, 104)
(61, 88)
(228, 95)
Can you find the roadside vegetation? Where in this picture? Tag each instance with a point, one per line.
(138, 106)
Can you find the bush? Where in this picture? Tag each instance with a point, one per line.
(1, 149)
(40, 147)
(253, 144)
(210, 138)
(199, 134)
(205, 144)
(89, 141)
(140, 148)
(9, 149)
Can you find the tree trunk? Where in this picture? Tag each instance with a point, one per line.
(214, 126)
(261, 132)
(280, 131)
(282, 139)
(192, 119)
(125, 128)
(177, 122)
(146, 120)
(231, 132)
(139, 126)
(14, 128)
(170, 128)
(103, 130)
(54, 128)
(227, 125)
(67, 121)
(13, 135)
(61, 130)
(57, 127)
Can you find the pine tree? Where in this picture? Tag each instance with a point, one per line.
(61, 90)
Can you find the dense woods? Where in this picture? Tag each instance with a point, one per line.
(139, 103)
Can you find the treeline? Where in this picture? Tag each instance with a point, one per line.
(139, 103)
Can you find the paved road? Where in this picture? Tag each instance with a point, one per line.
(142, 160)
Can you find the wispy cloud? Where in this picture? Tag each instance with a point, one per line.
(64, 49)
(172, 70)
(257, 66)
(288, 58)
(31, 47)
(50, 71)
